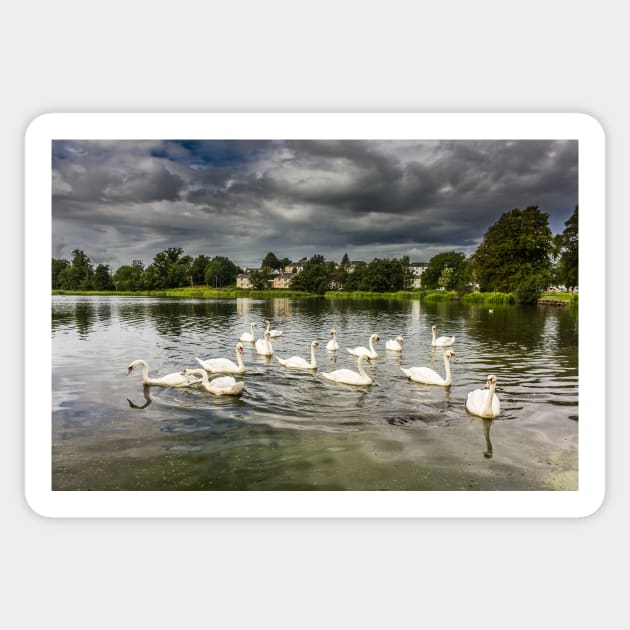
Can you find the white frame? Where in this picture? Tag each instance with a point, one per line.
(38, 221)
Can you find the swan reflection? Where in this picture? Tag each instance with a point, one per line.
(146, 391)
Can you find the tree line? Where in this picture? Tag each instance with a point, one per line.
(518, 254)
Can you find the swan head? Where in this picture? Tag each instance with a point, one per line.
(196, 371)
(333, 333)
(399, 339)
(239, 348)
(449, 354)
(315, 345)
(133, 364)
(267, 334)
(433, 328)
(375, 337)
(253, 325)
(492, 380)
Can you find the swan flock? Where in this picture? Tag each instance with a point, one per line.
(480, 402)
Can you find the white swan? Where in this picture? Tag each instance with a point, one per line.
(299, 363)
(221, 386)
(361, 350)
(176, 379)
(394, 344)
(263, 346)
(349, 377)
(249, 336)
(273, 333)
(224, 366)
(429, 376)
(484, 402)
(441, 341)
(333, 345)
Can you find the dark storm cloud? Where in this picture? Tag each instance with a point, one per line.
(121, 200)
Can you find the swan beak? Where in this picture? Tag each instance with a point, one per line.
(369, 361)
(129, 369)
(454, 358)
(183, 372)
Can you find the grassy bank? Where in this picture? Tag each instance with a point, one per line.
(476, 297)
(429, 296)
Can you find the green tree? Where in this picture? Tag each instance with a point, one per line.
(355, 279)
(79, 275)
(271, 261)
(345, 261)
(171, 269)
(59, 265)
(129, 277)
(103, 278)
(447, 270)
(382, 275)
(514, 251)
(567, 242)
(315, 277)
(261, 279)
(198, 269)
(221, 272)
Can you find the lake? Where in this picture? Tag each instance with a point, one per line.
(295, 430)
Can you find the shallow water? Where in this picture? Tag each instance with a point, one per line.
(295, 430)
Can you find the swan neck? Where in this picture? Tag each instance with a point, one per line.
(447, 369)
(239, 358)
(360, 366)
(371, 346)
(313, 360)
(145, 371)
(488, 406)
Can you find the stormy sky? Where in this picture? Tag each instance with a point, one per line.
(120, 200)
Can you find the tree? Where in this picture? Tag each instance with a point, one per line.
(221, 272)
(271, 261)
(260, 279)
(170, 269)
(198, 269)
(79, 275)
(382, 275)
(567, 243)
(315, 277)
(103, 278)
(515, 252)
(446, 270)
(345, 261)
(59, 265)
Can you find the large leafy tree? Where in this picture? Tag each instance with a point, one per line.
(567, 246)
(170, 268)
(315, 277)
(447, 270)
(221, 272)
(103, 278)
(515, 253)
(59, 265)
(129, 277)
(79, 275)
(261, 279)
(382, 275)
(198, 269)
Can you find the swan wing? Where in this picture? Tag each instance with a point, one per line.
(358, 351)
(424, 375)
(477, 400)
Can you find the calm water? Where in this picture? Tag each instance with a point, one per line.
(295, 430)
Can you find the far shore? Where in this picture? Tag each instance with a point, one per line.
(202, 292)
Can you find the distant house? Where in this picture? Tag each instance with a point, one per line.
(354, 264)
(282, 280)
(417, 269)
(243, 280)
(294, 267)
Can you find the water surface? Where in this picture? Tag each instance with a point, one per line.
(293, 430)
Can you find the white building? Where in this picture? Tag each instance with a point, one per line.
(417, 269)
